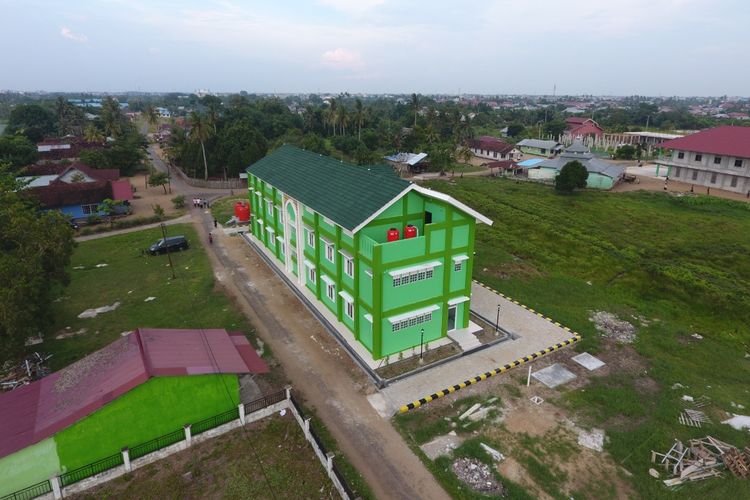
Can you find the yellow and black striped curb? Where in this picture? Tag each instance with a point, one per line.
(492, 373)
(556, 323)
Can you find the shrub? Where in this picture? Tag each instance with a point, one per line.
(93, 219)
(158, 211)
(179, 201)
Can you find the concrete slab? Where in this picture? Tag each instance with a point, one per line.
(588, 361)
(593, 440)
(441, 445)
(554, 375)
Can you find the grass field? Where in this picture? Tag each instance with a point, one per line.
(155, 408)
(672, 266)
(229, 467)
(189, 301)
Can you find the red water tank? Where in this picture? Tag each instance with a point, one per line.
(410, 231)
(393, 234)
(237, 208)
(243, 212)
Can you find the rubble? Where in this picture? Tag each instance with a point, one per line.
(92, 313)
(496, 455)
(32, 367)
(477, 476)
(611, 326)
(471, 410)
(701, 459)
(738, 422)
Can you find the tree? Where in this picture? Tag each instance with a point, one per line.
(112, 118)
(179, 201)
(342, 118)
(92, 134)
(572, 176)
(109, 207)
(554, 129)
(35, 251)
(200, 132)
(415, 106)
(625, 152)
(464, 152)
(17, 150)
(359, 117)
(152, 117)
(515, 129)
(238, 146)
(31, 120)
(159, 179)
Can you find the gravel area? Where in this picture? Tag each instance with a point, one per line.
(613, 327)
(478, 476)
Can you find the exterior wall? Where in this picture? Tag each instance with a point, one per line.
(370, 290)
(709, 170)
(28, 466)
(494, 155)
(537, 151)
(542, 173)
(76, 211)
(598, 181)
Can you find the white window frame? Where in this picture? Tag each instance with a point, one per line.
(349, 303)
(348, 262)
(458, 261)
(269, 207)
(330, 287)
(414, 273)
(312, 275)
(310, 233)
(330, 247)
(88, 210)
(413, 318)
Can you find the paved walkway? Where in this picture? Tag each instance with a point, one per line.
(534, 333)
(179, 220)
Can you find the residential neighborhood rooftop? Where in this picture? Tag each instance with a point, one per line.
(728, 140)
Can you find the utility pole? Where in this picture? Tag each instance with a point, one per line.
(421, 344)
(169, 255)
(497, 321)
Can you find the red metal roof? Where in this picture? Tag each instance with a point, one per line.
(491, 144)
(728, 141)
(37, 411)
(122, 190)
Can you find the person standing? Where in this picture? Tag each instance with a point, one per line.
(215, 223)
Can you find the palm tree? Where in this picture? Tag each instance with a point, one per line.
(415, 105)
(199, 132)
(464, 152)
(61, 109)
(359, 117)
(152, 117)
(430, 134)
(92, 134)
(112, 117)
(342, 117)
(333, 114)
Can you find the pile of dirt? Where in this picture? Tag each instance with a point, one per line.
(613, 327)
(478, 476)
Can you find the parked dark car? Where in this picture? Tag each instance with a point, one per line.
(171, 244)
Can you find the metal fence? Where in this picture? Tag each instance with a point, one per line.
(91, 469)
(265, 401)
(215, 421)
(34, 491)
(156, 444)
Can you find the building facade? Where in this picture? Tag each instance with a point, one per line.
(492, 148)
(602, 175)
(391, 260)
(539, 147)
(715, 158)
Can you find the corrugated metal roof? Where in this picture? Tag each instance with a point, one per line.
(39, 410)
(728, 141)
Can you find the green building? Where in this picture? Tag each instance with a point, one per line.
(327, 223)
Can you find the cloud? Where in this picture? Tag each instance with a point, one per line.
(341, 58)
(66, 32)
(154, 50)
(353, 8)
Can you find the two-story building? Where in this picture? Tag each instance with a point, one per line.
(390, 259)
(718, 157)
(493, 148)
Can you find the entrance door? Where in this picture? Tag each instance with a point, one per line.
(451, 318)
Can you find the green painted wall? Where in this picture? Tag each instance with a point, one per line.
(29, 466)
(152, 409)
(598, 181)
(450, 233)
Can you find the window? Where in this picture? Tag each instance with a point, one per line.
(349, 302)
(310, 237)
(415, 320)
(734, 182)
(349, 266)
(698, 157)
(457, 266)
(680, 155)
(311, 274)
(717, 160)
(695, 175)
(331, 291)
(329, 251)
(90, 209)
(677, 171)
(713, 178)
(738, 163)
(413, 277)
(494, 154)
(269, 207)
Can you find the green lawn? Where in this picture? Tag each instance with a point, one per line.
(155, 408)
(222, 210)
(189, 301)
(679, 263)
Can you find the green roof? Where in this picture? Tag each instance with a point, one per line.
(345, 193)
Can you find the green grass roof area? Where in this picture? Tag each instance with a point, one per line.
(345, 193)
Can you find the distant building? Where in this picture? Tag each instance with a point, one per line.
(163, 112)
(539, 147)
(578, 127)
(717, 157)
(64, 148)
(75, 190)
(493, 148)
(602, 175)
(408, 162)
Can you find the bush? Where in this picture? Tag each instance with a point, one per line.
(158, 211)
(573, 175)
(93, 219)
(179, 201)
(626, 152)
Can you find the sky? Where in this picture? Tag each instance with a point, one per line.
(601, 47)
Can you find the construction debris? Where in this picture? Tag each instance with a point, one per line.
(536, 400)
(613, 327)
(31, 368)
(496, 455)
(738, 422)
(693, 418)
(701, 459)
(471, 410)
(478, 476)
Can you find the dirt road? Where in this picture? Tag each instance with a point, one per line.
(318, 369)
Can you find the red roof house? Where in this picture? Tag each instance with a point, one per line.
(492, 148)
(726, 141)
(578, 127)
(37, 411)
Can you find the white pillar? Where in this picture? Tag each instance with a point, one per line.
(188, 436)
(56, 491)
(288, 390)
(126, 459)
(242, 413)
(329, 462)
(306, 428)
